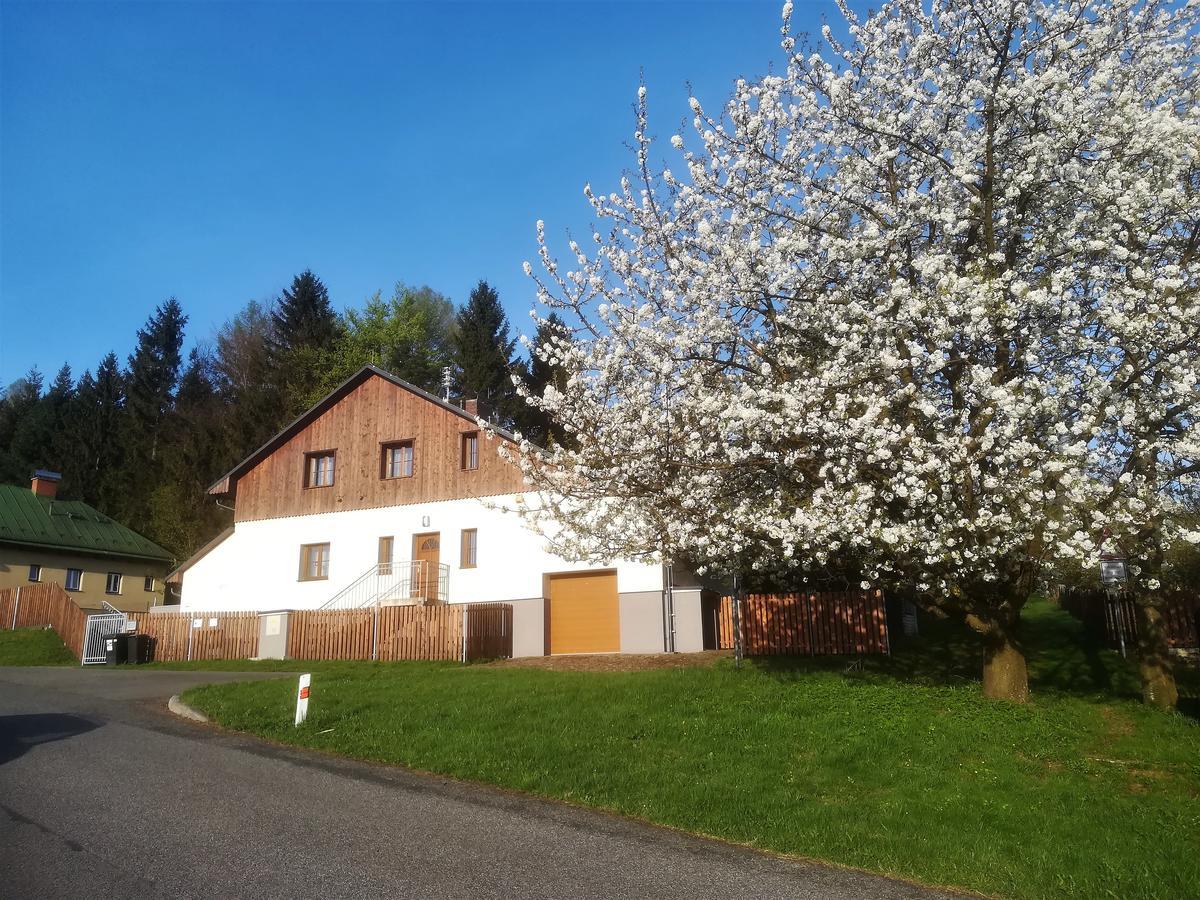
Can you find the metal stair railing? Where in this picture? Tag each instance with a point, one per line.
(406, 581)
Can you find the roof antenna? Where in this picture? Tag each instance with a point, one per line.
(446, 381)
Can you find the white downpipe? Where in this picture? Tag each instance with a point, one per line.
(464, 634)
(16, 606)
(375, 632)
(669, 597)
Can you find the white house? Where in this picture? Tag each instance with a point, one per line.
(383, 493)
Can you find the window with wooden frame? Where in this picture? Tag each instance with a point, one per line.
(469, 455)
(112, 584)
(74, 580)
(397, 461)
(470, 549)
(318, 468)
(314, 562)
(35, 573)
(387, 547)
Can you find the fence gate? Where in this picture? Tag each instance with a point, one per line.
(97, 629)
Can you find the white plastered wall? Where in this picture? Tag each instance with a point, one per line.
(257, 567)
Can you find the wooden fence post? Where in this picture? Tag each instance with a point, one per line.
(737, 621)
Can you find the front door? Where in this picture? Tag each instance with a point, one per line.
(426, 555)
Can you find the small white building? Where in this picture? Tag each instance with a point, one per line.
(383, 493)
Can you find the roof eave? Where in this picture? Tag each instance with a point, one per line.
(87, 551)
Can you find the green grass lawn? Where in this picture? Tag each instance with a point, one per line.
(34, 647)
(900, 767)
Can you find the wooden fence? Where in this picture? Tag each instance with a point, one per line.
(1108, 620)
(42, 605)
(399, 632)
(489, 630)
(402, 632)
(219, 635)
(819, 624)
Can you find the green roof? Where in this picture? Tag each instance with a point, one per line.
(33, 521)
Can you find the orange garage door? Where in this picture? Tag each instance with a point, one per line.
(584, 613)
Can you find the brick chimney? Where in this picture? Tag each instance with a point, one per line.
(471, 407)
(45, 483)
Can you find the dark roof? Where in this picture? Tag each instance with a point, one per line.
(33, 521)
(225, 483)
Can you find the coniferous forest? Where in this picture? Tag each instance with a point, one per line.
(142, 439)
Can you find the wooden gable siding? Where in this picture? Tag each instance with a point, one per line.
(374, 413)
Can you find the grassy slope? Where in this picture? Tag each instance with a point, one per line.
(34, 647)
(901, 767)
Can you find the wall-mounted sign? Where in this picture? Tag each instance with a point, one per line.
(1112, 571)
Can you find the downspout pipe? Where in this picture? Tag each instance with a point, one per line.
(668, 608)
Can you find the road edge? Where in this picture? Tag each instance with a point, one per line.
(182, 710)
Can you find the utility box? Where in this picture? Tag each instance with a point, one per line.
(115, 649)
(273, 634)
(139, 648)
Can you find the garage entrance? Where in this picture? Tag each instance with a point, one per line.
(584, 613)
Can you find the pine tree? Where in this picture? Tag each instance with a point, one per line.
(483, 353)
(304, 317)
(304, 330)
(151, 383)
(154, 372)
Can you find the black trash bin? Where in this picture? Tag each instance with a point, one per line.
(141, 648)
(116, 649)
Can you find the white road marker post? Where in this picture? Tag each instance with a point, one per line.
(302, 698)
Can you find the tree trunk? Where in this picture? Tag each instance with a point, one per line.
(1005, 676)
(1154, 657)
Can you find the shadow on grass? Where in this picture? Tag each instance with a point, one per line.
(1063, 658)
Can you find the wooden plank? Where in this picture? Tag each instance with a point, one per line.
(374, 413)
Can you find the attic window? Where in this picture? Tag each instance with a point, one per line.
(469, 457)
(318, 468)
(398, 460)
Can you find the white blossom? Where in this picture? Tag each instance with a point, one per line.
(913, 304)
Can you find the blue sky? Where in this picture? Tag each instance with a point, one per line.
(210, 151)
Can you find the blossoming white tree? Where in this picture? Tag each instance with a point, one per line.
(896, 308)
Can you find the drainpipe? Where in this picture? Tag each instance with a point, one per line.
(669, 608)
(16, 606)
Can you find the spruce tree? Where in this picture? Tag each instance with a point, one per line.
(483, 353)
(304, 331)
(304, 317)
(151, 383)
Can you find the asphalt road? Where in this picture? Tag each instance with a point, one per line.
(104, 794)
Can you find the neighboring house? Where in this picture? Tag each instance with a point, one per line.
(44, 539)
(384, 493)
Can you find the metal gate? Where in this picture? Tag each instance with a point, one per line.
(97, 629)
